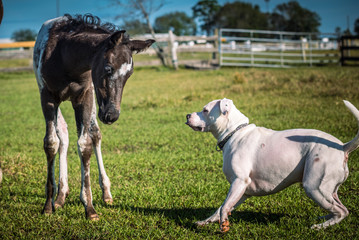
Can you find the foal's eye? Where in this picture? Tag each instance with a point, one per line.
(205, 110)
(108, 70)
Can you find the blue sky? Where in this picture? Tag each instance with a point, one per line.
(30, 14)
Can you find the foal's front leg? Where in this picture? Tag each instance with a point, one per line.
(83, 109)
(84, 145)
(104, 181)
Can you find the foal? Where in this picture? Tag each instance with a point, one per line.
(74, 57)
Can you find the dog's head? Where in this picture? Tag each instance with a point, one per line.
(216, 117)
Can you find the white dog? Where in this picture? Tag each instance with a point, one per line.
(258, 161)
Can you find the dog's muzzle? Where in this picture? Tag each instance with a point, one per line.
(195, 128)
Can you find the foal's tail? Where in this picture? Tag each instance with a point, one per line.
(354, 143)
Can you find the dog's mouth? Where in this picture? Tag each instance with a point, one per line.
(195, 128)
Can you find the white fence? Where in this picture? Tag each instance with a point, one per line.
(255, 48)
(233, 47)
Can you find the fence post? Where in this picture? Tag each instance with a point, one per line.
(215, 46)
(303, 41)
(173, 50)
(341, 51)
(220, 46)
(310, 50)
(282, 48)
(252, 56)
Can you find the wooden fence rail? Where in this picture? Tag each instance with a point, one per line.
(26, 44)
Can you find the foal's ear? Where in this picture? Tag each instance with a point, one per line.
(139, 45)
(117, 37)
(225, 105)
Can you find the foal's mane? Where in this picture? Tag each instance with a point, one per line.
(85, 23)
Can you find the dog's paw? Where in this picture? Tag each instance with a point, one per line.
(225, 226)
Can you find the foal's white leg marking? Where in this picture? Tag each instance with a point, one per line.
(62, 133)
(85, 172)
(53, 145)
(104, 180)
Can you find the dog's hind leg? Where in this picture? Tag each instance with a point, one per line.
(323, 190)
(337, 211)
(63, 135)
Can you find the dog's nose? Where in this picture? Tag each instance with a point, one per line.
(188, 116)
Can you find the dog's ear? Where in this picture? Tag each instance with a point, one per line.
(225, 105)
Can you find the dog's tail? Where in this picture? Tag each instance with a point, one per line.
(354, 143)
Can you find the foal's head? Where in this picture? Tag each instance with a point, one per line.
(112, 67)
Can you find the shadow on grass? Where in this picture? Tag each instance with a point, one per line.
(186, 217)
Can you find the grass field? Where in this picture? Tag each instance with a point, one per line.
(165, 176)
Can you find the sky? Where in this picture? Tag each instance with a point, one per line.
(30, 14)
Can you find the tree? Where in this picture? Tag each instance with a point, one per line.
(276, 22)
(134, 9)
(178, 22)
(134, 27)
(205, 11)
(241, 15)
(294, 18)
(356, 26)
(24, 35)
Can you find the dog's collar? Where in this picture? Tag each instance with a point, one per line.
(220, 145)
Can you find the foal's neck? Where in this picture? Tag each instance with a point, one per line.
(83, 49)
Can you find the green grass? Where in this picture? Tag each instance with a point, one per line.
(11, 63)
(164, 175)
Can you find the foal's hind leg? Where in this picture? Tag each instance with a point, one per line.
(62, 133)
(51, 146)
(104, 181)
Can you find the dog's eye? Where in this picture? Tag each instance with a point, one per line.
(205, 110)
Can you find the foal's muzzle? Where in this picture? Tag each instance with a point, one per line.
(110, 116)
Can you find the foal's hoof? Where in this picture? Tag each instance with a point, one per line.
(108, 201)
(48, 209)
(94, 217)
(225, 226)
(59, 204)
(47, 212)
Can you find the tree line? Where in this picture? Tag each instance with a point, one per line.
(210, 15)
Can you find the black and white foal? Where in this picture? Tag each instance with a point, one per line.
(74, 58)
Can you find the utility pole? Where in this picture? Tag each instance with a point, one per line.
(57, 8)
(267, 3)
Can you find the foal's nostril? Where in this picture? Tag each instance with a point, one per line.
(110, 116)
(188, 116)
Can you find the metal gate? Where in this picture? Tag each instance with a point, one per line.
(256, 48)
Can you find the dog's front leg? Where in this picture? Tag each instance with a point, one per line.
(216, 216)
(235, 197)
(211, 219)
